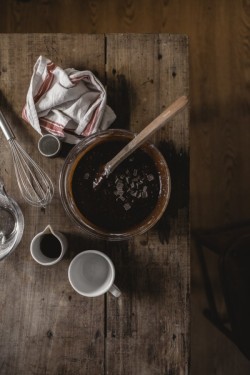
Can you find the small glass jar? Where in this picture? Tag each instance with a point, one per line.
(65, 185)
(11, 223)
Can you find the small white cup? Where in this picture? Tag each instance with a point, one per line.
(41, 247)
(91, 273)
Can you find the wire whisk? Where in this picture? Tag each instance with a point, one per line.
(34, 184)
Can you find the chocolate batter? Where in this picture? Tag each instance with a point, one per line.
(125, 198)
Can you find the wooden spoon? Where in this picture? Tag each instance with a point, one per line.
(140, 138)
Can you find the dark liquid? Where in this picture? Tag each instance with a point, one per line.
(50, 246)
(125, 198)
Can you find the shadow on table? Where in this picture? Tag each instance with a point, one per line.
(78, 242)
(178, 164)
(134, 276)
(120, 95)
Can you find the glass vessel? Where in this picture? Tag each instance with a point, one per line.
(78, 153)
(11, 223)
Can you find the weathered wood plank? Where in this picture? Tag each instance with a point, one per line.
(45, 326)
(148, 327)
(219, 69)
(52, 329)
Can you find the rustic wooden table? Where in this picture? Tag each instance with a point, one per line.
(45, 327)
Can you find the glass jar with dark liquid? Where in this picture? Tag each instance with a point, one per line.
(129, 202)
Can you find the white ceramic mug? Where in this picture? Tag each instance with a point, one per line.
(48, 247)
(91, 273)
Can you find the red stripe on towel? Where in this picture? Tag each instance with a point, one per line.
(91, 124)
(45, 86)
(51, 125)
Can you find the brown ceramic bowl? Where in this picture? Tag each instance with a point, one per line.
(130, 201)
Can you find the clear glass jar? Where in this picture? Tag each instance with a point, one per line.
(66, 191)
(11, 223)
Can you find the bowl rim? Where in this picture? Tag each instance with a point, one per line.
(77, 152)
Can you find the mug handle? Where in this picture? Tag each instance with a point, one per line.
(115, 291)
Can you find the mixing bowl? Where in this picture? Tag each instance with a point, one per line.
(129, 202)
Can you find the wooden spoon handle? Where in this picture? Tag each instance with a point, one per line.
(146, 133)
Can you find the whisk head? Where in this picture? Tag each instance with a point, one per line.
(35, 186)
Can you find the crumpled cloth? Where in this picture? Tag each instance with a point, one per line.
(68, 103)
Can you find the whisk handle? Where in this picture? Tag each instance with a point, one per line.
(8, 133)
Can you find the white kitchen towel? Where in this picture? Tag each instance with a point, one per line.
(68, 103)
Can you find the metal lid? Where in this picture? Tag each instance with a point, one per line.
(49, 145)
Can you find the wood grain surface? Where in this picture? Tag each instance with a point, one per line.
(145, 327)
(219, 137)
(45, 326)
(219, 59)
